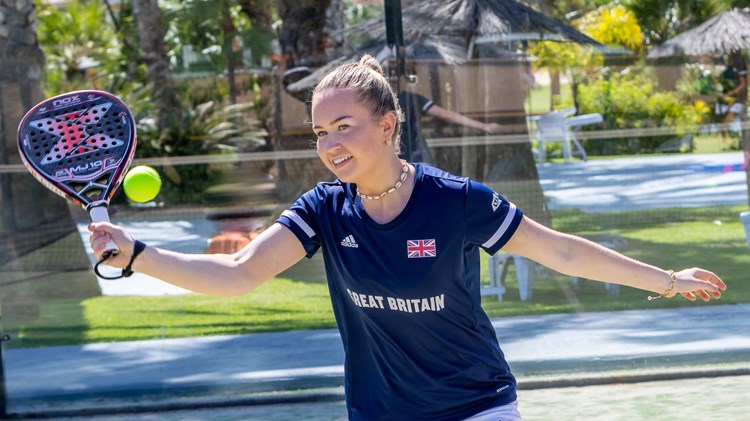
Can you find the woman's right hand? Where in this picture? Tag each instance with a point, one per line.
(104, 232)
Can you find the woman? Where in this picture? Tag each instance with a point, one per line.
(731, 103)
(401, 248)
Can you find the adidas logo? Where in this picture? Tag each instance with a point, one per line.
(348, 241)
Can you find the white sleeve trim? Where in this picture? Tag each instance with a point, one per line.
(300, 222)
(503, 227)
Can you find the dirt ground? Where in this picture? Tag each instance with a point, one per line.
(701, 399)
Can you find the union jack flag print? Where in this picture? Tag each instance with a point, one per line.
(420, 248)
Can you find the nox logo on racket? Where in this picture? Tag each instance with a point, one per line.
(66, 101)
(78, 132)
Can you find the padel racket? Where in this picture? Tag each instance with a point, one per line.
(80, 145)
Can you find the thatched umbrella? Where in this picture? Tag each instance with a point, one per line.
(454, 30)
(449, 50)
(726, 32)
(476, 21)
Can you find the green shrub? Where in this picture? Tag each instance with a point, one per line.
(629, 99)
(206, 129)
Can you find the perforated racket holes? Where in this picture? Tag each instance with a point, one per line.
(79, 159)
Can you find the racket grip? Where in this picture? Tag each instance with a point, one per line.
(100, 214)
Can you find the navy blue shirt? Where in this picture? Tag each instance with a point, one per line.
(406, 296)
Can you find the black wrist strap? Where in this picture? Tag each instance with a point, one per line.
(138, 248)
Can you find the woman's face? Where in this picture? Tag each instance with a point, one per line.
(350, 141)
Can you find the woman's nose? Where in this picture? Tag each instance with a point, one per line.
(330, 143)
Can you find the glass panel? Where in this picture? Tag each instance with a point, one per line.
(628, 153)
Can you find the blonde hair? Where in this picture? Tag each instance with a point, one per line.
(367, 80)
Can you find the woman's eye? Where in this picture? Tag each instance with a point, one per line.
(343, 127)
(321, 133)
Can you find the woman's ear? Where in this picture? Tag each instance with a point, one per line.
(388, 123)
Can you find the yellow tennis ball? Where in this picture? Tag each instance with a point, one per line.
(141, 183)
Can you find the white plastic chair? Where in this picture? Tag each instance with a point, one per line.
(557, 126)
(498, 269)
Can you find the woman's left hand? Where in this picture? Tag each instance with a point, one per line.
(493, 128)
(698, 282)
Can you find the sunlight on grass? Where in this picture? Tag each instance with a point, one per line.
(279, 304)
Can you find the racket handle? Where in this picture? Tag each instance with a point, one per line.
(100, 214)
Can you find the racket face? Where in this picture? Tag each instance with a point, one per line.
(79, 145)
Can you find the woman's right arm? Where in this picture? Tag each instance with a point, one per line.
(272, 252)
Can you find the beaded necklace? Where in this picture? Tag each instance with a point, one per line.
(404, 174)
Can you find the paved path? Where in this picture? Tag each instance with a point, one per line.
(646, 183)
(245, 364)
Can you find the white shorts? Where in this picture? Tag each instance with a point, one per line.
(507, 412)
(737, 108)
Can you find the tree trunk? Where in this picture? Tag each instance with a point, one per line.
(21, 86)
(148, 19)
(233, 52)
(514, 175)
(302, 35)
(746, 152)
(33, 217)
(259, 12)
(334, 29)
(554, 87)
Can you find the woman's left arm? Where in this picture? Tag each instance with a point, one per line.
(577, 256)
(454, 117)
(741, 86)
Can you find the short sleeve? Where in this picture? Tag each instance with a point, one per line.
(414, 102)
(301, 219)
(491, 220)
(423, 103)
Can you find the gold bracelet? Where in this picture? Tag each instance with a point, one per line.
(670, 288)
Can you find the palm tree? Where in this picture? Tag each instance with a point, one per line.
(33, 217)
(21, 70)
(306, 32)
(148, 19)
(21, 86)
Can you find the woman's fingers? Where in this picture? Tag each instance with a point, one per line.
(700, 283)
(702, 294)
(710, 277)
(101, 234)
(689, 295)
